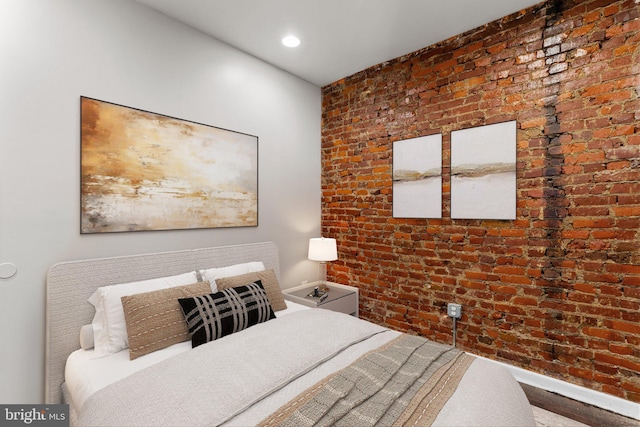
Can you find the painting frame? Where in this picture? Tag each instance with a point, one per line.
(417, 177)
(145, 171)
(483, 172)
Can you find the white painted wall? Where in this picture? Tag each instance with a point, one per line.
(52, 52)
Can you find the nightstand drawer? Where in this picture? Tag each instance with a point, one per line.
(347, 304)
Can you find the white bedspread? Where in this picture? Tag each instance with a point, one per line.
(213, 382)
(490, 396)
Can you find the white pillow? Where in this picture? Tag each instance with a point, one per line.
(211, 274)
(86, 337)
(109, 327)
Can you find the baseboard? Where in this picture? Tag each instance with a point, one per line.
(572, 391)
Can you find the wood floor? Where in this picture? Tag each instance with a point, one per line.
(553, 410)
(545, 418)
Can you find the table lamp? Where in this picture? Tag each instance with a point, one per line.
(322, 249)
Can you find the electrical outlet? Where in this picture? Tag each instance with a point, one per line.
(454, 310)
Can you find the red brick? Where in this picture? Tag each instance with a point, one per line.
(626, 210)
(566, 271)
(618, 361)
(633, 328)
(620, 349)
(602, 333)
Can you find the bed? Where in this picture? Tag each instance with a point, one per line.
(290, 366)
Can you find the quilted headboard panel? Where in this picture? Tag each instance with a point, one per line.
(70, 284)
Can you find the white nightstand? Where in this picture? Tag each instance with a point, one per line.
(340, 298)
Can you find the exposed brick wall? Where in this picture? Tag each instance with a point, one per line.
(555, 291)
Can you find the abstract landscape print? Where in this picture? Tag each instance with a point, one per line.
(417, 177)
(483, 172)
(146, 171)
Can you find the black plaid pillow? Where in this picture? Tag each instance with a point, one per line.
(214, 316)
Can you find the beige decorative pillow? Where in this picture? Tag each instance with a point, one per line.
(155, 320)
(269, 281)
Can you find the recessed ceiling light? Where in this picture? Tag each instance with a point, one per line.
(291, 41)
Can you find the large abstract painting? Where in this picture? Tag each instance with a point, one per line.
(483, 172)
(417, 177)
(147, 171)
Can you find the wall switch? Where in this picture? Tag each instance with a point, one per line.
(454, 310)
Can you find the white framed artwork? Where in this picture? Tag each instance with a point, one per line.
(483, 172)
(417, 177)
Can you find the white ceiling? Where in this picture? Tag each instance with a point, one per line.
(339, 37)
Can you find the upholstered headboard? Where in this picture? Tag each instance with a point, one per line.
(70, 284)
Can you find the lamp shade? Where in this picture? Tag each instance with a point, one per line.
(322, 249)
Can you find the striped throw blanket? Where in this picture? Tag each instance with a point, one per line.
(404, 383)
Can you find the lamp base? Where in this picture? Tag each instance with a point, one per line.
(322, 276)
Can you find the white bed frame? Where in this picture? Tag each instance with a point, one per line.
(70, 284)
